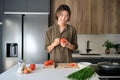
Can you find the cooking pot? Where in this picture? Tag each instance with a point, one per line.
(109, 68)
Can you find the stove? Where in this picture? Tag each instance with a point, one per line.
(105, 75)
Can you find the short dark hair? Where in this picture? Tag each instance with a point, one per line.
(63, 7)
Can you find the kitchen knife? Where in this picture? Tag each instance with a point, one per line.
(55, 64)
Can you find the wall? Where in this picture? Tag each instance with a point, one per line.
(96, 42)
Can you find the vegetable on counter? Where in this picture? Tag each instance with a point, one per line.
(32, 66)
(72, 64)
(82, 74)
(48, 62)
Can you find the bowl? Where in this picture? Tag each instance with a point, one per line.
(84, 64)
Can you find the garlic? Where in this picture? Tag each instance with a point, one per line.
(20, 71)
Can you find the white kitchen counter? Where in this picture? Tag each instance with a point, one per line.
(40, 73)
(105, 56)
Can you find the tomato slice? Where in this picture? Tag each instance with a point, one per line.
(72, 64)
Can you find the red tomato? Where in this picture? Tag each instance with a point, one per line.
(46, 63)
(50, 62)
(32, 66)
(72, 64)
(63, 40)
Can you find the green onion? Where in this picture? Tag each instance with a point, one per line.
(82, 74)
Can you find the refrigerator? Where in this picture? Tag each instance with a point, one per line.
(23, 39)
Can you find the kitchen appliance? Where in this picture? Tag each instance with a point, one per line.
(23, 38)
(108, 70)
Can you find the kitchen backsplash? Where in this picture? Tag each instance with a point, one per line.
(96, 42)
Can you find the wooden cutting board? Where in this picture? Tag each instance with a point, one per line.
(61, 65)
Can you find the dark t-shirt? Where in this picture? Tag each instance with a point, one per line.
(59, 53)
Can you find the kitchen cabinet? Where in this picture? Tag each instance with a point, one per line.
(111, 16)
(15, 5)
(38, 5)
(92, 16)
(83, 17)
(26, 5)
(97, 18)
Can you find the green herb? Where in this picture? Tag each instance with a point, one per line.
(108, 44)
(82, 74)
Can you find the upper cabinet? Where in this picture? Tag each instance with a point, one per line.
(15, 5)
(105, 16)
(38, 5)
(92, 16)
(26, 5)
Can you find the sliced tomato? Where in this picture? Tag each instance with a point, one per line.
(72, 64)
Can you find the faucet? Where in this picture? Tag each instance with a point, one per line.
(88, 47)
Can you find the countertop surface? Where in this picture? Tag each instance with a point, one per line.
(40, 73)
(114, 56)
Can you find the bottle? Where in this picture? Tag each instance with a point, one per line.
(21, 66)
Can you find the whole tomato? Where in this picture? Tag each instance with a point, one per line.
(46, 63)
(32, 66)
(63, 40)
(50, 62)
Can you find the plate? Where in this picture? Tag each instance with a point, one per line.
(83, 64)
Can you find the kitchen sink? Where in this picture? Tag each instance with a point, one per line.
(90, 54)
